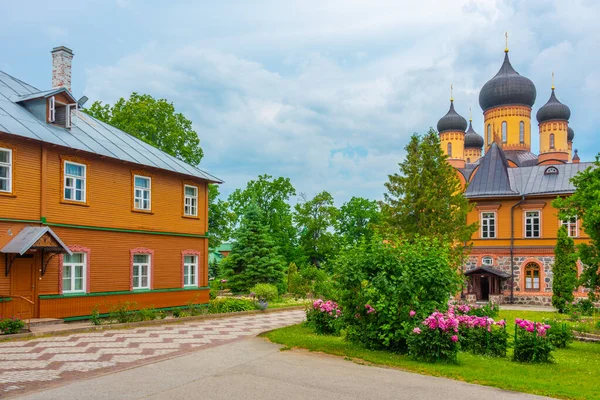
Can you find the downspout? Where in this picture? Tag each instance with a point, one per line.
(512, 247)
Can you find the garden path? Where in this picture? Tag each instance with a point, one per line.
(42, 362)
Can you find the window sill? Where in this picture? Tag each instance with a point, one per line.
(149, 212)
(73, 294)
(8, 194)
(75, 203)
(137, 290)
(190, 287)
(190, 217)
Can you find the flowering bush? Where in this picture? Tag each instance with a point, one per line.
(483, 335)
(532, 343)
(11, 325)
(324, 316)
(489, 310)
(436, 339)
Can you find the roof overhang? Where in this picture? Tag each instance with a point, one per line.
(35, 237)
(45, 94)
(487, 271)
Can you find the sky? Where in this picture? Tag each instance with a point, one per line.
(324, 92)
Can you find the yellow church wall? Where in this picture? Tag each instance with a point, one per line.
(513, 115)
(502, 208)
(472, 155)
(561, 145)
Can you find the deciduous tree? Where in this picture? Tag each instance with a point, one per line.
(564, 270)
(357, 218)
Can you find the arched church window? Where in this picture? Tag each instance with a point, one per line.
(532, 276)
(468, 160)
(521, 132)
(487, 261)
(504, 134)
(449, 149)
(552, 140)
(489, 134)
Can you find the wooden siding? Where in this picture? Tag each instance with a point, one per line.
(82, 306)
(110, 197)
(25, 201)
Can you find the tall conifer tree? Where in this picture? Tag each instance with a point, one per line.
(564, 279)
(426, 197)
(254, 257)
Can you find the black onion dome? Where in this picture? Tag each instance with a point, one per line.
(507, 87)
(473, 140)
(570, 134)
(552, 110)
(452, 121)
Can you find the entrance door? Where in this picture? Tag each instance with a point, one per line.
(23, 284)
(485, 288)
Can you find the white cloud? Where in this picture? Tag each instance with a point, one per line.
(292, 83)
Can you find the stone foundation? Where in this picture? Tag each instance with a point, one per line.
(496, 298)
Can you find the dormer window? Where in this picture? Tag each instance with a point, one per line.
(551, 171)
(62, 113)
(51, 109)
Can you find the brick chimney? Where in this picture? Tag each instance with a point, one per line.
(62, 57)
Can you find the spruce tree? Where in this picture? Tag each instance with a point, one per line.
(564, 279)
(426, 197)
(254, 257)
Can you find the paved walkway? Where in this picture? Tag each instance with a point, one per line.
(38, 363)
(256, 369)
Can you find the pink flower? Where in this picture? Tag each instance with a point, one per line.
(454, 338)
(412, 313)
(417, 330)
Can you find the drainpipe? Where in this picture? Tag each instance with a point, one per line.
(512, 247)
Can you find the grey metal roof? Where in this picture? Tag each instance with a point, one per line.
(43, 93)
(521, 157)
(487, 270)
(27, 238)
(87, 134)
(495, 179)
(491, 178)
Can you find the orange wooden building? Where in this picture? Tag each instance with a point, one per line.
(512, 189)
(89, 215)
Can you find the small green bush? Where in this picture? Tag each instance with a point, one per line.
(560, 334)
(532, 342)
(324, 317)
(9, 326)
(432, 345)
(227, 305)
(146, 314)
(95, 316)
(265, 291)
(123, 313)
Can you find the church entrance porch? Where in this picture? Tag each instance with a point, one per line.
(485, 284)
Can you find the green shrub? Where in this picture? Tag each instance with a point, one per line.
(123, 313)
(586, 307)
(490, 310)
(265, 291)
(560, 334)
(227, 305)
(9, 326)
(432, 345)
(491, 340)
(146, 314)
(179, 313)
(393, 278)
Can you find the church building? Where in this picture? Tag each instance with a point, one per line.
(512, 188)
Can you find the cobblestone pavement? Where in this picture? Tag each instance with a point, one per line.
(38, 363)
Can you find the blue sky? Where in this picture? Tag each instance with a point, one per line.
(324, 92)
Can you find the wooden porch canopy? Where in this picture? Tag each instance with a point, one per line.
(34, 238)
(483, 270)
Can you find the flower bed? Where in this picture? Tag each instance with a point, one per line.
(532, 344)
(436, 339)
(483, 335)
(323, 317)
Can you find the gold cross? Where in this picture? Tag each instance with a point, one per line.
(506, 38)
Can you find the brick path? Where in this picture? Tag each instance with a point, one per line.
(38, 363)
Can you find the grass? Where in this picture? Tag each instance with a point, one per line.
(574, 374)
(283, 303)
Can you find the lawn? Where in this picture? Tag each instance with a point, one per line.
(575, 374)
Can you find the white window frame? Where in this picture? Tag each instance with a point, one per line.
(140, 266)
(188, 268)
(9, 165)
(71, 266)
(525, 222)
(193, 202)
(51, 109)
(551, 141)
(141, 199)
(568, 223)
(482, 219)
(504, 132)
(74, 187)
(68, 122)
(522, 132)
(485, 258)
